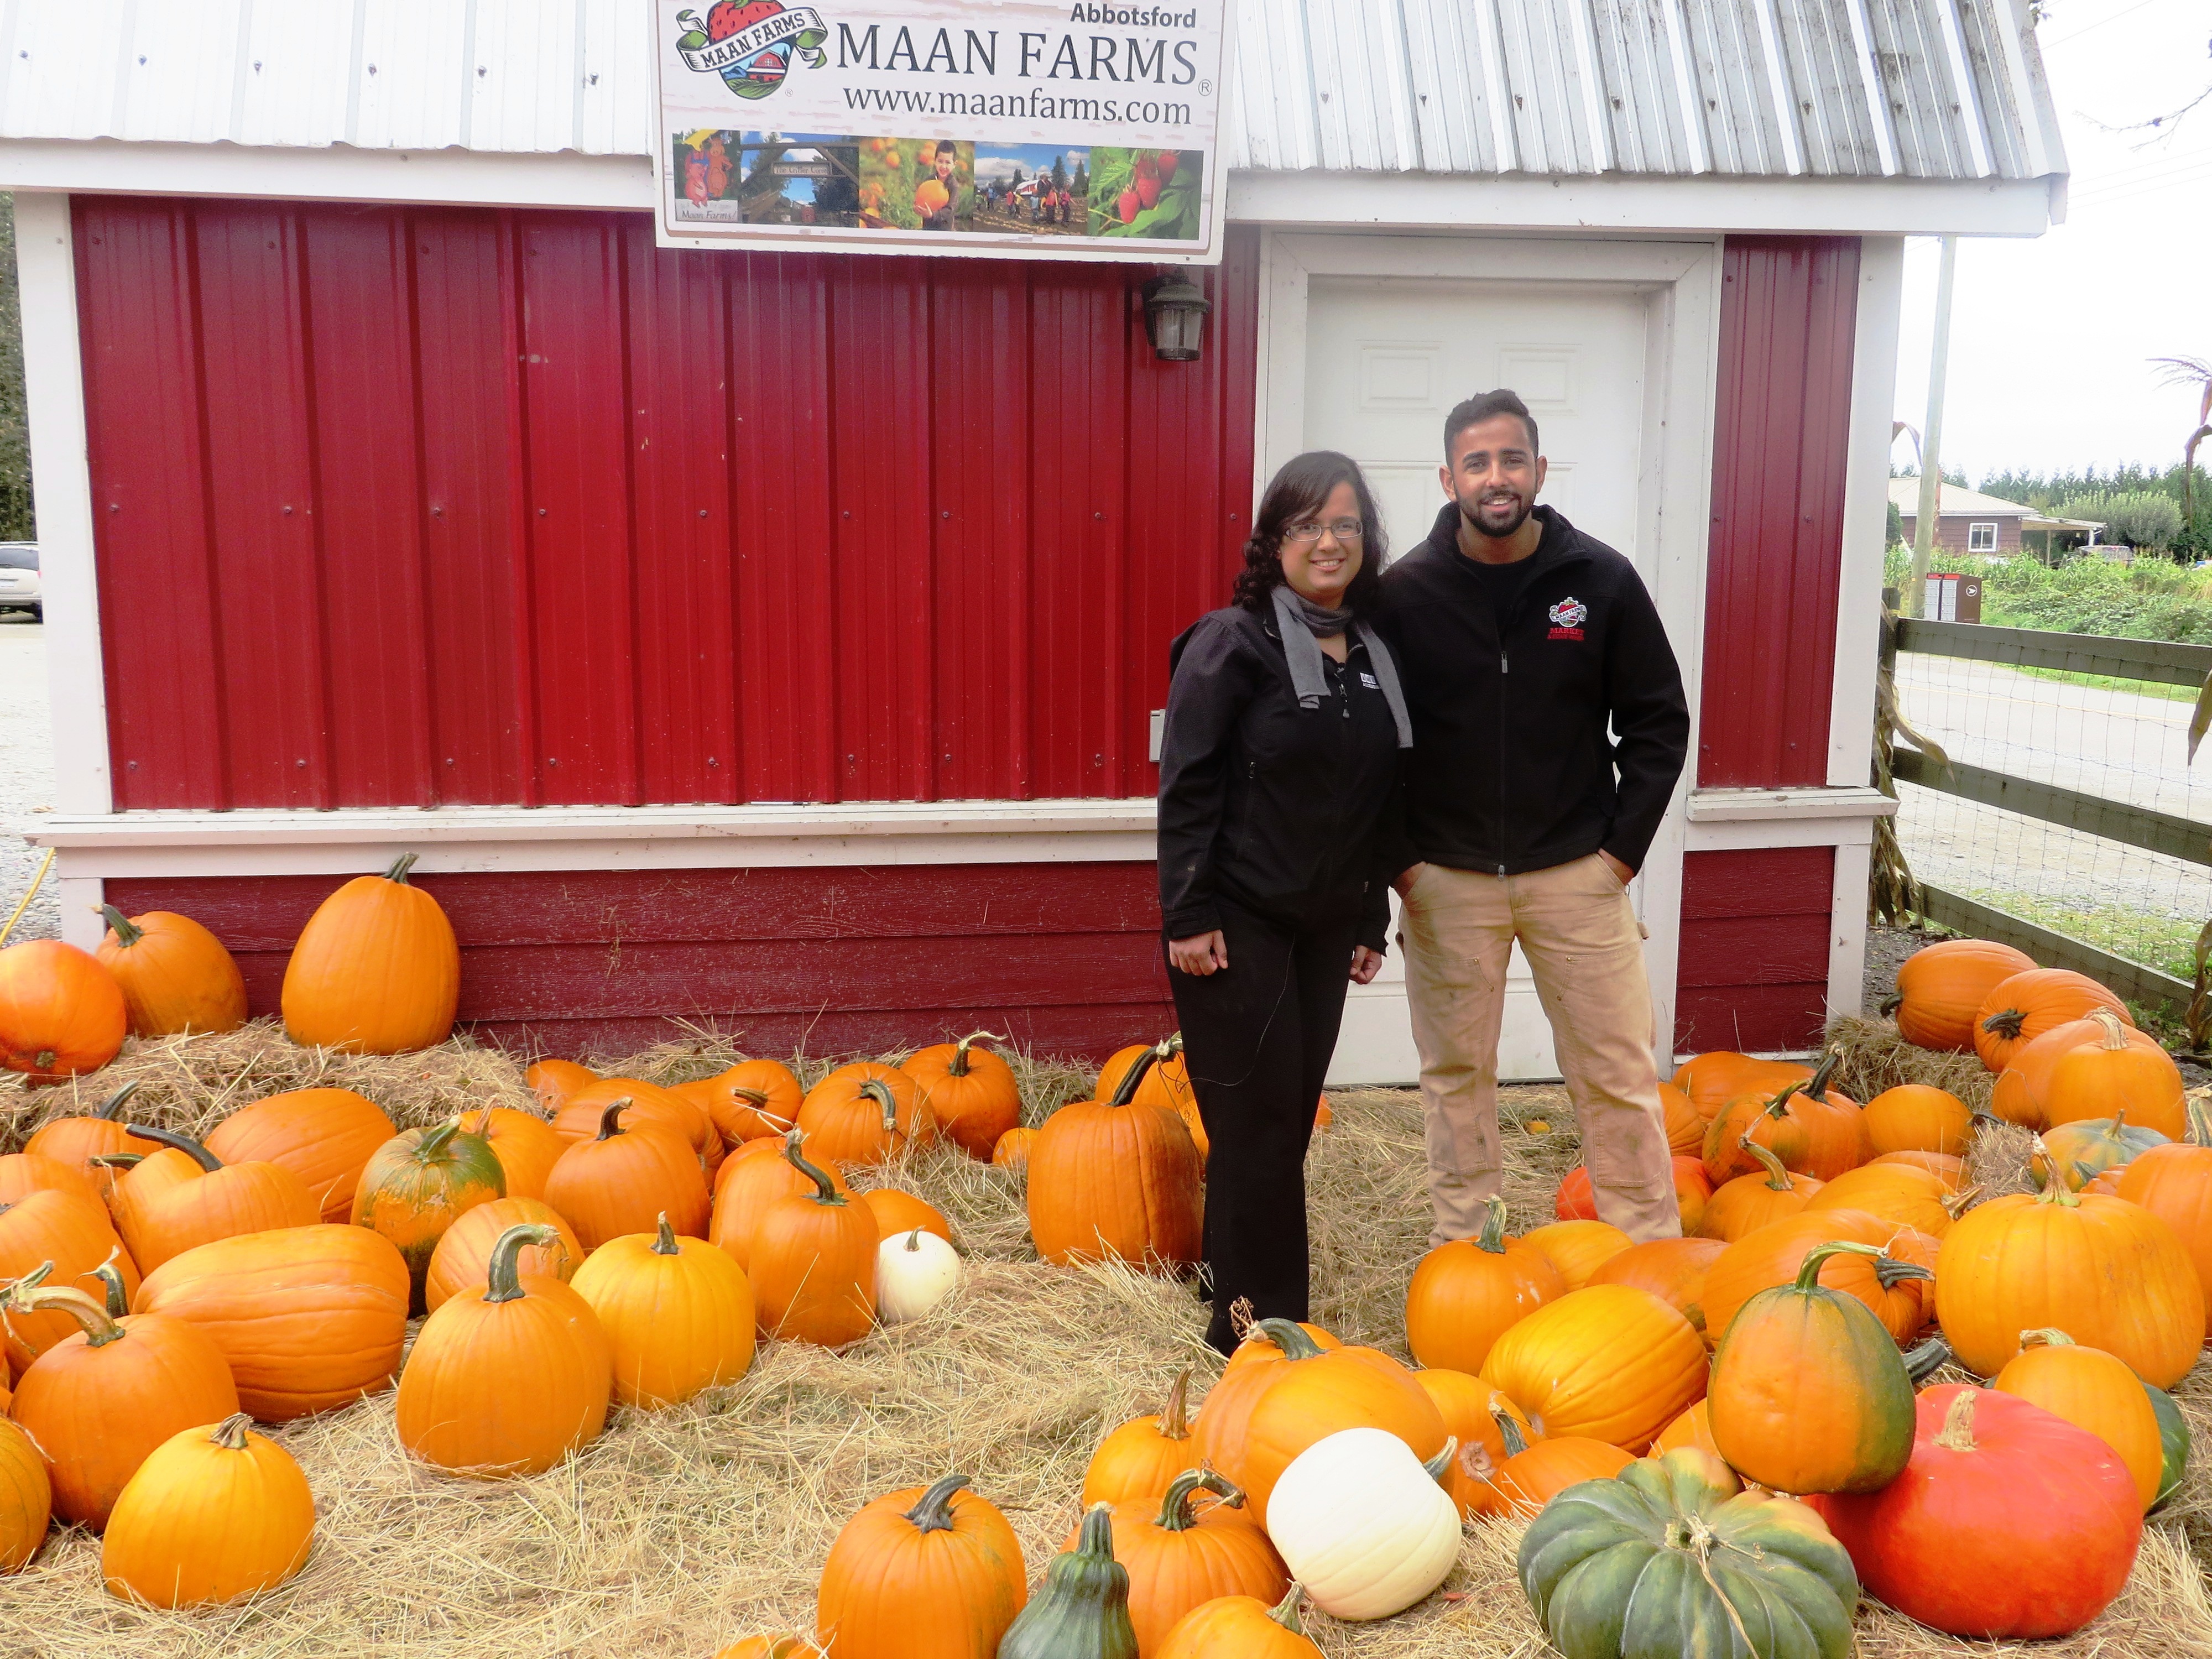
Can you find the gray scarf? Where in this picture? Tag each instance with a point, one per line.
(1303, 622)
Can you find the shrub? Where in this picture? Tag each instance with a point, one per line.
(2135, 518)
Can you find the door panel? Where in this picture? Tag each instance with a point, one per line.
(1385, 361)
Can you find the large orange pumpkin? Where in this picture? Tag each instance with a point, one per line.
(61, 1013)
(866, 1113)
(376, 970)
(1888, 1285)
(1262, 1414)
(1940, 986)
(2018, 1010)
(82, 1140)
(678, 1312)
(1180, 1555)
(1900, 1193)
(2175, 1183)
(1711, 1080)
(1914, 1117)
(1813, 1129)
(217, 1514)
(22, 1173)
(923, 1574)
(813, 1262)
(1672, 1269)
(309, 1318)
(1949, 1170)
(26, 1498)
(183, 1195)
(1685, 1125)
(1577, 1248)
(1241, 1627)
(970, 1091)
(1608, 1361)
(1139, 1459)
(324, 1136)
(420, 1182)
(554, 1081)
(1465, 1294)
(2108, 1272)
(174, 974)
(1163, 1075)
(1115, 1179)
(754, 1177)
(2092, 1390)
(1749, 1202)
(58, 1237)
(625, 1177)
(463, 1258)
(898, 1213)
(2095, 1068)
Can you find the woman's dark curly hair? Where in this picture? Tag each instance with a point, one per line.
(1297, 492)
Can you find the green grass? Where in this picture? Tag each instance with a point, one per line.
(2113, 682)
(2166, 943)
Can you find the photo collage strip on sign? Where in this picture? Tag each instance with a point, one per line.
(1086, 131)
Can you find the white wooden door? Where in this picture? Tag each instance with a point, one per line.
(1386, 359)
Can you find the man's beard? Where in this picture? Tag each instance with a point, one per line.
(1475, 522)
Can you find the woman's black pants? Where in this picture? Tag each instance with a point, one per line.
(1257, 1037)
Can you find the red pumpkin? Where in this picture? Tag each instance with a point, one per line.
(2007, 1521)
(61, 1013)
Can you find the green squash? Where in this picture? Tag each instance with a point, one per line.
(2173, 1443)
(1083, 1610)
(1673, 1557)
(2079, 1152)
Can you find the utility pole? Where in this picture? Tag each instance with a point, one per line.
(1931, 451)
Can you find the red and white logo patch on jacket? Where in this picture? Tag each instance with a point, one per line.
(1567, 617)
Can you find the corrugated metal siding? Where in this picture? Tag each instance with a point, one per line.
(1064, 958)
(469, 505)
(1753, 971)
(1925, 88)
(1781, 446)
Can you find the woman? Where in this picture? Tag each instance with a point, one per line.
(1278, 769)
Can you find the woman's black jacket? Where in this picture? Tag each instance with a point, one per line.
(1277, 808)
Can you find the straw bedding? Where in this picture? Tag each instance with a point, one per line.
(681, 1529)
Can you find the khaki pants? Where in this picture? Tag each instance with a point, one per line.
(1582, 938)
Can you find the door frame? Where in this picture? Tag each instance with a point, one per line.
(1678, 281)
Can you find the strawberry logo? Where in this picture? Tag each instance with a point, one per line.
(749, 43)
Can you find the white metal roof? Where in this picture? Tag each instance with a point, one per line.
(1934, 89)
(1956, 501)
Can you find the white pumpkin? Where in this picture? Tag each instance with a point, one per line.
(914, 1272)
(1362, 1523)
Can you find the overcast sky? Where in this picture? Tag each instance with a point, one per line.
(2050, 338)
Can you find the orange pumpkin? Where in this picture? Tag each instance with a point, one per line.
(1672, 1269)
(2091, 1390)
(82, 1141)
(554, 1081)
(1813, 1130)
(1711, 1080)
(757, 1175)
(753, 1100)
(22, 1173)
(1012, 1150)
(1141, 1458)
(1914, 1117)
(1949, 1170)
(969, 1091)
(1163, 1075)
(1750, 1202)
(2020, 1009)
(26, 1499)
(1180, 1556)
(1114, 1179)
(687, 1119)
(61, 1236)
(1576, 1198)
(217, 1514)
(463, 1258)
(1262, 1414)
(61, 1013)
(1685, 1125)
(526, 1146)
(324, 1136)
(2098, 1068)
(622, 1180)
(923, 1574)
(1896, 1193)
(813, 1262)
(420, 1182)
(1889, 1284)
(1465, 1294)
(1254, 1344)
(183, 1195)
(1940, 987)
(174, 974)
(678, 1312)
(2175, 1183)
(1531, 1474)
(1694, 1427)
(898, 1213)
(1577, 1248)
(376, 970)
(1608, 1361)
(1473, 1411)
(776, 1644)
(866, 1113)
(1241, 1627)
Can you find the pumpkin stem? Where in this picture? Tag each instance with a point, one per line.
(1288, 1335)
(663, 1240)
(1779, 1106)
(31, 1294)
(825, 1190)
(1924, 1361)
(503, 1274)
(2200, 1119)
(433, 1140)
(1889, 1271)
(1957, 1433)
(2057, 1192)
(1890, 1003)
(230, 1433)
(1492, 1238)
(1508, 1430)
(400, 867)
(1125, 1090)
(114, 1104)
(2045, 1337)
(127, 932)
(1808, 1270)
(1097, 1536)
(1817, 1088)
(111, 1276)
(185, 1144)
(933, 1512)
(2006, 1022)
(1778, 1178)
(914, 1242)
(1175, 1509)
(755, 1098)
(1285, 1611)
(959, 1065)
(1957, 1204)
(879, 1091)
(117, 1160)
(2115, 1038)
(1439, 1466)
(610, 1119)
(1175, 1424)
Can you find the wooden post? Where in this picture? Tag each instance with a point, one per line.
(1931, 462)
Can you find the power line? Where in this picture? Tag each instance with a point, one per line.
(2087, 28)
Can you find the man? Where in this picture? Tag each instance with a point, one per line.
(1519, 639)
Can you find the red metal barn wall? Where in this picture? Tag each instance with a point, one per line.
(420, 507)
(1753, 963)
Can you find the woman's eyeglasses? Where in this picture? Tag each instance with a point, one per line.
(1344, 530)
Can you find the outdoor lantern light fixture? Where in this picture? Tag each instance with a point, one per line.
(1175, 317)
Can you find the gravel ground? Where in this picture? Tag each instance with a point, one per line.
(26, 771)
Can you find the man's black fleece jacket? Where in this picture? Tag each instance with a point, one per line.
(1512, 768)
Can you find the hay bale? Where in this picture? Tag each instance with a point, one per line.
(1875, 1058)
(679, 1529)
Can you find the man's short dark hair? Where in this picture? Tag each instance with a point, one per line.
(1482, 407)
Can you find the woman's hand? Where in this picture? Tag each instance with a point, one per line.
(1365, 965)
(1201, 954)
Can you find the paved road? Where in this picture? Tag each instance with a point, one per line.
(26, 770)
(2115, 744)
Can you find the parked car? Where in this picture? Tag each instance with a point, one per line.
(19, 579)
